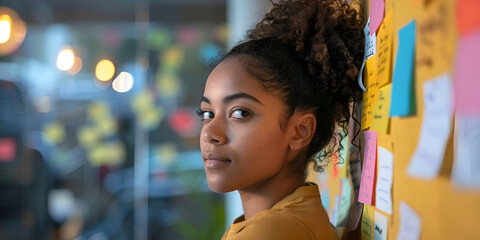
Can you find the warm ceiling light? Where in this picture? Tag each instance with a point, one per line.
(104, 70)
(5, 28)
(65, 59)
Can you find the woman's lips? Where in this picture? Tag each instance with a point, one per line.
(212, 160)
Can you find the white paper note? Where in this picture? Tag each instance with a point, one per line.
(410, 223)
(466, 166)
(437, 118)
(381, 225)
(383, 196)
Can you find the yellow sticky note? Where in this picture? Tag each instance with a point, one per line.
(151, 118)
(54, 132)
(142, 102)
(369, 96)
(367, 222)
(98, 110)
(107, 126)
(168, 85)
(172, 57)
(384, 50)
(88, 136)
(380, 118)
(110, 153)
(436, 37)
(166, 153)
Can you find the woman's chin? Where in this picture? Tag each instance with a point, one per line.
(220, 187)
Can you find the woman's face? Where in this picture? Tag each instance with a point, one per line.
(242, 142)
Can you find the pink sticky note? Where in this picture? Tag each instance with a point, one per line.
(466, 82)
(368, 168)
(8, 149)
(377, 9)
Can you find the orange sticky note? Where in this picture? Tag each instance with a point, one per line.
(468, 19)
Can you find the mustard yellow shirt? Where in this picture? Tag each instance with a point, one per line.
(298, 216)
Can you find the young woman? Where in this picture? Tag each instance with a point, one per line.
(271, 106)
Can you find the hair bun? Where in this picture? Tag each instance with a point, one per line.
(327, 35)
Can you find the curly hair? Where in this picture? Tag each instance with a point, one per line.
(309, 52)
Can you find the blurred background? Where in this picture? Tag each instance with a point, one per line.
(98, 133)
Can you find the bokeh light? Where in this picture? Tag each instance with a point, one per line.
(12, 31)
(123, 82)
(104, 70)
(77, 66)
(65, 59)
(5, 28)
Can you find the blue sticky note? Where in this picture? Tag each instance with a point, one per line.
(325, 197)
(402, 96)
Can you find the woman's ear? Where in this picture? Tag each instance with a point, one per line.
(304, 125)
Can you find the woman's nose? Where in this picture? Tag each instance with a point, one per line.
(214, 132)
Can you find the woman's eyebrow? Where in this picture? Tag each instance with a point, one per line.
(233, 97)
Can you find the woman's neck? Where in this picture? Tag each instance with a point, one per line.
(264, 195)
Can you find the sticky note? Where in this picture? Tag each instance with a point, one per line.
(436, 125)
(370, 41)
(468, 19)
(435, 40)
(467, 84)
(377, 9)
(383, 193)
(325, 196)
(54, 133)
(410, 223)
(380, 226)
(380, 117)
(368, 168)
(403, 72)
(8, 149)
(168, 84)
(384, 50)
(334, 211)
(344, 204)
(142, 102)
(88, 136)
(367, 222)
(370, 95)
(466, 164)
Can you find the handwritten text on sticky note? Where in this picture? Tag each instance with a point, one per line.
(368, 169)
(380, 226)
(383, 196)
(384, 50)
(380, 117)
(367, 223)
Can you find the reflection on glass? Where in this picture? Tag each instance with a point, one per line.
(123, 82)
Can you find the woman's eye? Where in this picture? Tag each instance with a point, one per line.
(239, 113)
(207, 115)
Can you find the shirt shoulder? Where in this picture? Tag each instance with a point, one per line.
(273, 225)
